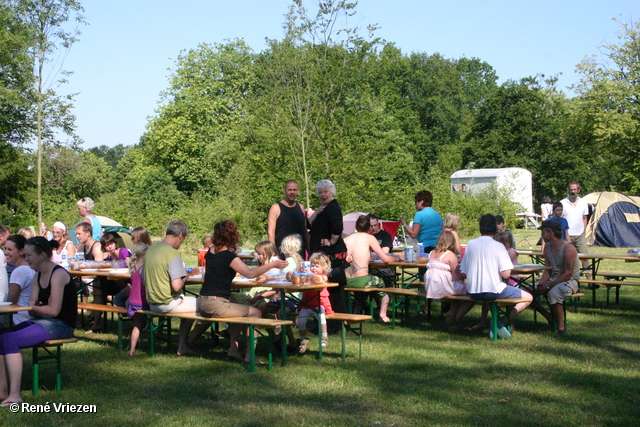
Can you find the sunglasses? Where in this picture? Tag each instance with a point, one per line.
(37, 242)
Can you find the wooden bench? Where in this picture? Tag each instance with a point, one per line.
(347, 322)
(608, 284)
(621, 278)
(120, 311)
(164, 319)
(396, 293)
(498, 307)
(49, 357)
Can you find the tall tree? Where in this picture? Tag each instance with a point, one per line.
(16, 77)
(189, 135)
(307, 80)
(609, 100)
(47, 20)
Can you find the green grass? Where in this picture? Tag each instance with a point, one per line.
(415, 375)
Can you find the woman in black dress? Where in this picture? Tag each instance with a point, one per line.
(326, 236)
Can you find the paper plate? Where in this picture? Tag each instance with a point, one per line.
(4, 304)
(89, 270)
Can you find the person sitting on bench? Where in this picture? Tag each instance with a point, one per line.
(562, 281)
(54, 306)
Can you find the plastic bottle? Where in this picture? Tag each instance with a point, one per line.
(64, 261)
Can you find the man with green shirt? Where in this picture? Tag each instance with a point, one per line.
(164, 279)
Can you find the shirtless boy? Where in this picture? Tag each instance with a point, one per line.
(359, 248)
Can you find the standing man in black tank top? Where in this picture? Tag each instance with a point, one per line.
(287, 217)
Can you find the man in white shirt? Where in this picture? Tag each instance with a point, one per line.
(486, 264)
(576, 212)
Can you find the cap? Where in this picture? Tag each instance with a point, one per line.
(551, 224)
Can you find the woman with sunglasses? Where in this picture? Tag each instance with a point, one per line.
(54, 306)
(61, 236)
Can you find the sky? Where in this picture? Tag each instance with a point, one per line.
(122, 61)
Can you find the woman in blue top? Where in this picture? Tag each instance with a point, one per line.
(427, 223)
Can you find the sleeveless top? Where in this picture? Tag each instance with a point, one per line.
(57, 257)
(556, 262)
(137, 294)
(96, 226)
(88, 255)
(69, 309)
(291, 221)
(218, 274)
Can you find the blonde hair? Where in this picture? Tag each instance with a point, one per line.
(139, 251)
(504, 238)
(268, 249)
(290, 247)
(27, 232)
(321, 259)
(450, 220)
(446, 242)
(87, 203)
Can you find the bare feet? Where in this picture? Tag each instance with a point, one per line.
(9, 400)
(477, 327)
(258, 362)
(188, 352)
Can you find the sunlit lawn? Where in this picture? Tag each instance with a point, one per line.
(415, 375)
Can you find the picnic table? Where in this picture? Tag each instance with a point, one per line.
(593, 268)
(11, 309)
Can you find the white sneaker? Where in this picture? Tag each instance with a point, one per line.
(503, 332)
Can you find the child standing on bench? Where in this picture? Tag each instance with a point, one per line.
(137, 296)
(320, 267)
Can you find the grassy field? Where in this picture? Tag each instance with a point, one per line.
(415, 375)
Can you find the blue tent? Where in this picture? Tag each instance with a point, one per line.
(615, 222)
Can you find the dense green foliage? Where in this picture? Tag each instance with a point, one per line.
(326, 101)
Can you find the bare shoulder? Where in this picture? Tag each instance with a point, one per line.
(275, 208)
(570, 249)
(60, 276)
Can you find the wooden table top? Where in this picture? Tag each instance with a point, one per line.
(13, 308)
(528, 268)
(624, 257)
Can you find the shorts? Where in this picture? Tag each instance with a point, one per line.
(508, 292)
(55, 327)
(580, 243)
(212, 306)
(368, 282)
(133, 308)
(560, 292)
(181, 304)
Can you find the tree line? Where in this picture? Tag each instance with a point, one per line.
(326, 101)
